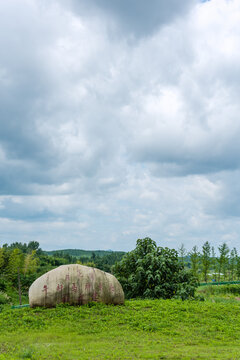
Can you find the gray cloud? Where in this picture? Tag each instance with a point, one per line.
(104, 140)
(137, 17)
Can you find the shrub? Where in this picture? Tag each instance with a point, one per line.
(3, 284)
(154, 272)
(4, 299)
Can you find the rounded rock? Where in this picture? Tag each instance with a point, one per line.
(76, 285)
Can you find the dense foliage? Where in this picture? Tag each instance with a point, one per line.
(154, 272)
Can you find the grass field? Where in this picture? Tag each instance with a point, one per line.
(141, 329)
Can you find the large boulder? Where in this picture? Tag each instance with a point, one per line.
(75, 284)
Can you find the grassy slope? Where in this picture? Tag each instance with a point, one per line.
(151, 329)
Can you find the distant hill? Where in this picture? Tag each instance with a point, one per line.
(83, 253)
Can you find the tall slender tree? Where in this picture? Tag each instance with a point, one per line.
(15, 263)
(15, 268)
(223, 260)
(194, 259)
(206, 259)
(30, 263)
(1, 258)
(235, 261)
(232, 263)
(238, 267)
(214, 263)
(182, 253)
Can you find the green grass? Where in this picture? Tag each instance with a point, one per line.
(220, 293)
(142, 329)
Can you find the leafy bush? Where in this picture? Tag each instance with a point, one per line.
(3, 284)
(27, 353)
(154, 272)
(4, 299)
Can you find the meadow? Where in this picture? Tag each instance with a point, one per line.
(140, 329)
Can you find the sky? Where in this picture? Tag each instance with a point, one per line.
(120, 120)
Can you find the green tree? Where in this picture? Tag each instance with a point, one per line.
(194, 259)
(1, 258)
(232, 263)
(238, 267)
(33, 246)
(88, 263)
(30, 263)
(214, 263)
(153, 272)
(15, 268)
(182, 253)
(206, 259)
(15, 263)
(223, 259)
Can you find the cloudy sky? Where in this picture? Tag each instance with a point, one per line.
(119, 119)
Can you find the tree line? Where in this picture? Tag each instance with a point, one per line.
(206, 265)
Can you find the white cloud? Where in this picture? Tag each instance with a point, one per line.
(113, 133)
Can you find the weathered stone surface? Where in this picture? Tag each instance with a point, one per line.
(75, 284)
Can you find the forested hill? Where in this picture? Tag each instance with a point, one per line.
(83, 253)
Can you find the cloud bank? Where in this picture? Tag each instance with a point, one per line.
(119, 121)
